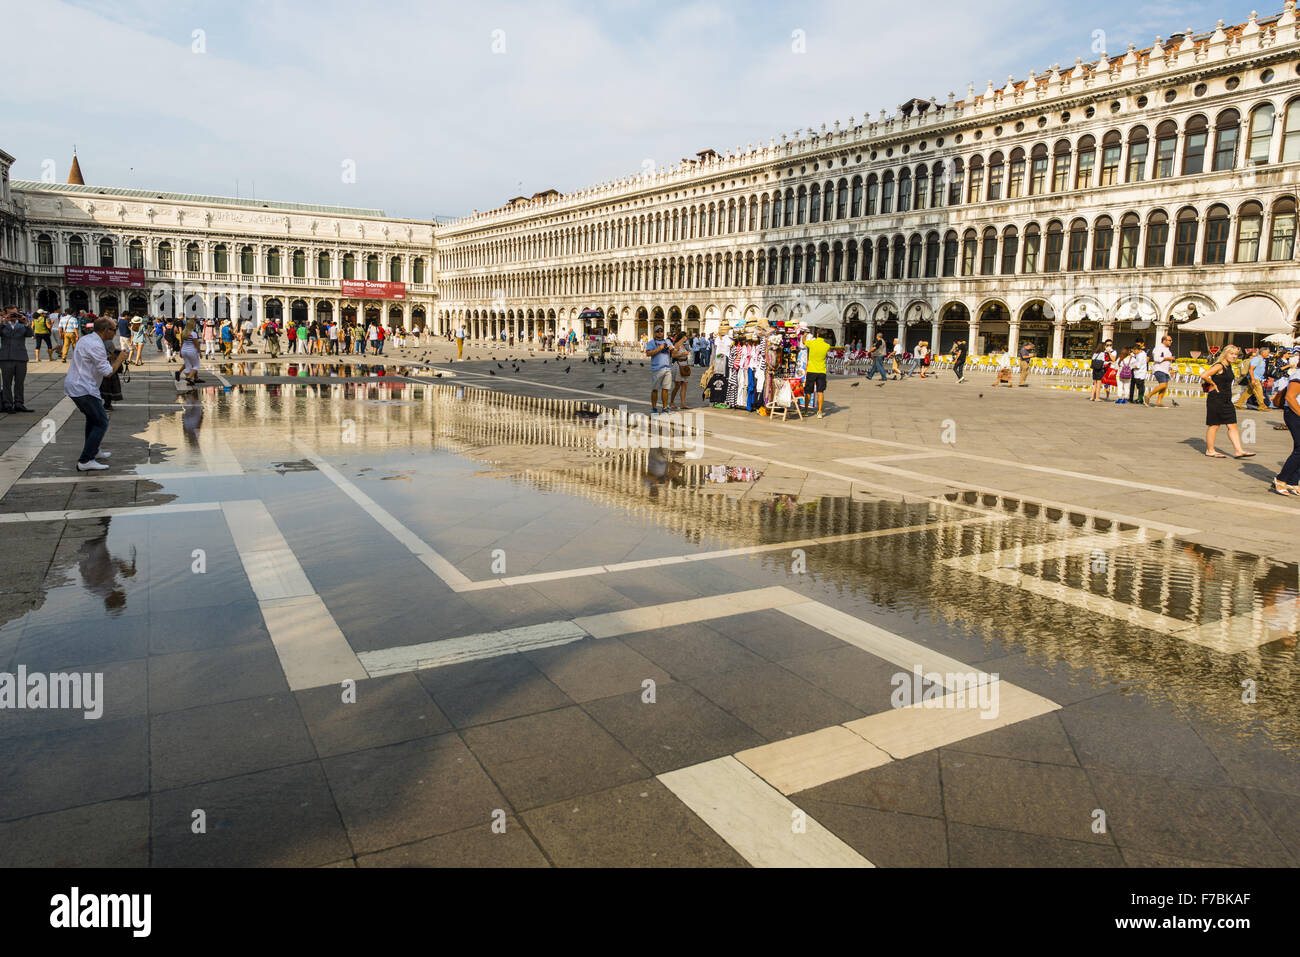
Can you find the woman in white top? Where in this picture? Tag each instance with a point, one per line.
(923, 357)
(1138, 366)
(189, 353)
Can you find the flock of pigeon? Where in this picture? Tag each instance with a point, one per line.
(616, 365)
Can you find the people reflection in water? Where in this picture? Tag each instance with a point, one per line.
(100, 570)
(191, 417)
(663, 467)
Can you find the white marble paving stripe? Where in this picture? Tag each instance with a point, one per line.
(756, 819)
(16, 459)
(808, 760)
(311, 648)
(452, 651)
(671, 614)
(421, 549)
(125, 511)
(84, 478)
(737, 552)
(955, 716)
(877, 641)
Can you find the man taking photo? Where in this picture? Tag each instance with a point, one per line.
(86, 371)
(15, 330)
(659, 350)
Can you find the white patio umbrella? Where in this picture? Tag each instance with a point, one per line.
(1254, 314)
(821, 316)
(1281, 339)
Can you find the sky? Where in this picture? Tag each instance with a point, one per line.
(428, 109)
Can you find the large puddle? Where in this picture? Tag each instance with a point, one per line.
(471, 471)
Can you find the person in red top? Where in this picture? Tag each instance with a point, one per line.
(379, 339)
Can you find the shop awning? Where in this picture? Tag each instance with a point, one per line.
(821, 316)
(1253, 314)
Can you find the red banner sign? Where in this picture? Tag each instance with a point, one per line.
(365, 289)
(103, 276)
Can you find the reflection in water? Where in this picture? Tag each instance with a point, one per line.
(100, 570)
(191, 418)
(320, 370)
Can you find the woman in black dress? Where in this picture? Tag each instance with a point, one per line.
(1219, 410)
(959, 359)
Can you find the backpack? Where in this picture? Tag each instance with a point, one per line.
(1098, 365)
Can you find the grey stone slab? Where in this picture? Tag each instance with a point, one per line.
(543, 758)
(123, 693)
(108, 834)
(63, 769)
(1154, 744)
(224, 740)
(405, 792)
(1041, 740)
(774, 636)
(1253, 758)
(283, 817)
(885, 838)
(678, 729)
(1187, 819)
(987, 847)
(201, 627)
(586, 670)
(495, 689)
(1002, 793)
(1282, 813)
(188, 679)
(911, 786)
(686, 651)
(773, 701)
(641, 824)
(386, 710)
(479, 846)
(852, 675)
(51, 646)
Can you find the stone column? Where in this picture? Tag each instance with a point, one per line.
(972, 335)
(1058, 339)
(1013, 336)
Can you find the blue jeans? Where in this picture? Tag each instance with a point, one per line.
(1290, 474)
(92, 407)
(878, 365)
(361, 347)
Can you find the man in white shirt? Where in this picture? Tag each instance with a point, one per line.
(1138, 364)
(460, 342)
(68, 329)
(86, 371)
(1162, 357)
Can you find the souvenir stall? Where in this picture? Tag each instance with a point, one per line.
(756, 364)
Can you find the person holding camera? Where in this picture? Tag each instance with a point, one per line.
(15, 330)
(86, 373)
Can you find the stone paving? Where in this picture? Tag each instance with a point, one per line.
(439, 626)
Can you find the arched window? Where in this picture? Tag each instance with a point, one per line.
(395, 269)
(969, 250)
(932, 255)
(1010, 248)
(1217, 226)
(106, 252)
(1138, 145)
(997, 172)
(882, 258)
(789, 207)
(1166, 148)
(323, 265)
(1227, 129)
(1291, 132)
(1281, 247)
(1055, 241)
(1033, 245)
(856, 210)
(44, 250)
(1061, 166)
(135, 255)
(922, 188)
(1078, 245)
(1111, 149)
(887, 192)
(842, 200)
(873, 194)
(220, 259)
(1087, 160)
(950, 253)
(975, 187)
(957, 186)
(867, 250)
(372, 268)
(777, 208)
(796, 275)
(1250, 224)
(772, 265)
(1038, 170)
(1103, 237)
(900, 255)
(1016, 177)
(815, 203)
(299, 264)
(851, 269)
(936, 186)
(904, 190)
(1157, 239)
(988, 261)
(1130, 228)
(349, 266)
(828, 202)
(1185, 230)
(824, 273)
(417, 270)
(1195, 135)
(1260, 147)
(914, 257)
(802, 216)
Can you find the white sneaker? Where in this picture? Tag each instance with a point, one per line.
(91, 466)
(101, 454)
